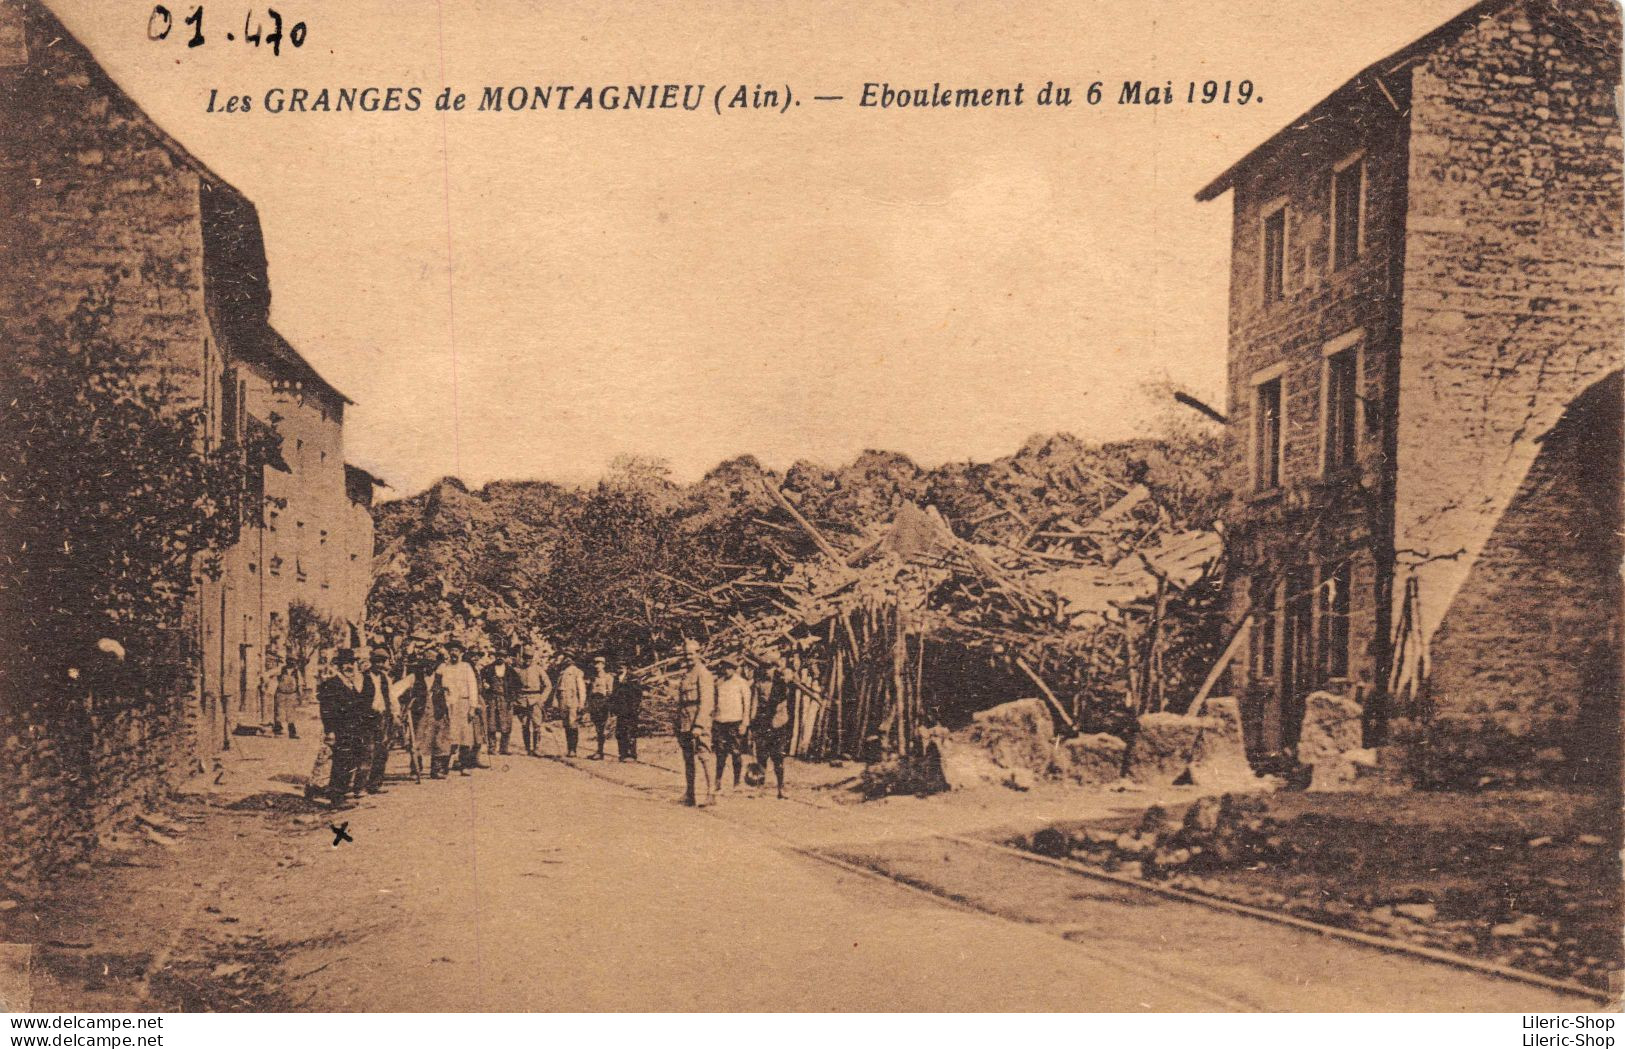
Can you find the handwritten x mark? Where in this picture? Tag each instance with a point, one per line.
(341, 832)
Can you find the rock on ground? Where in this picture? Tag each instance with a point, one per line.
(1331, 733)
(1220, 759)
(1163, 747)
(965, 765)
(1090, 760)
(1015, 735)
(1331, 728)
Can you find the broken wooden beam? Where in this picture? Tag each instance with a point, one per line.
(1049, 696)
(824, 545)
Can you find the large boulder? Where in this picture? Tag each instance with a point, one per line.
(1353, 770)
(1164, 746)
(1331, 728)
(1016, 735)
(1220, 760)
(965, 766)
(1089, 760)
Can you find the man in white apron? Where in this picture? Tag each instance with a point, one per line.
(457, 684)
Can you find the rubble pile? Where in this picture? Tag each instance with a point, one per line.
(1111, 634)
(1014, 735)
(1087, 578)
(1017, 745)
(1233, 847)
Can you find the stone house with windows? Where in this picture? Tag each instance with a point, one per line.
(99, 199)
(1426, 308)
(311, 542)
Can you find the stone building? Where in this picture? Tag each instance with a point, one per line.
(311, 543)
(1424, 387)
(95, 197)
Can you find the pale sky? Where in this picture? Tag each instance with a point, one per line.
(940, 283)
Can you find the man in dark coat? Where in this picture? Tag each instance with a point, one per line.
(499, 684)
(339, 699)
(626, 703)
(772, 694)
(431, 716)
(378, 718)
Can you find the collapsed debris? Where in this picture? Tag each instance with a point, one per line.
(1104, 613)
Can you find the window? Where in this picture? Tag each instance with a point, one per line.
(231, 407)
(1267, 435)
(1275, 254)
(1341, 378)
(1348, 201)
(1334, 622)
(1264, 637)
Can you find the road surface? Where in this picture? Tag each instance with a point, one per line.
(541, 885)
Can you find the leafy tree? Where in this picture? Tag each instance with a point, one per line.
(112, 504)
(309, 631)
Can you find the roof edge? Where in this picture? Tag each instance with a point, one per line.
(99, 74)
(299, 361)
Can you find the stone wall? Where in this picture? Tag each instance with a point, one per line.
(96, 199)
(1513, 311)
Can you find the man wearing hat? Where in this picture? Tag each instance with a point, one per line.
(770, 716)
(431, 722)
(534, 689)
(696, 708)
(459, 689)
(600, 693)
(572, 698)
(499, 683)
(627, 706)
(339, 700)
(378, 717)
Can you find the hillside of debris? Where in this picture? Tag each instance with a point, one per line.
(1087, 572)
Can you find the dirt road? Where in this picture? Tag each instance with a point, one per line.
(541, 886)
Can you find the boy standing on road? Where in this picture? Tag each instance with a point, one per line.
(599, 692)
(627, 706)
(727, 737)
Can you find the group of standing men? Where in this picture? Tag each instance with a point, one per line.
(720, 716)
(441, 706)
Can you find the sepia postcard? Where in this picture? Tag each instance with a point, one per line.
(830, 506)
